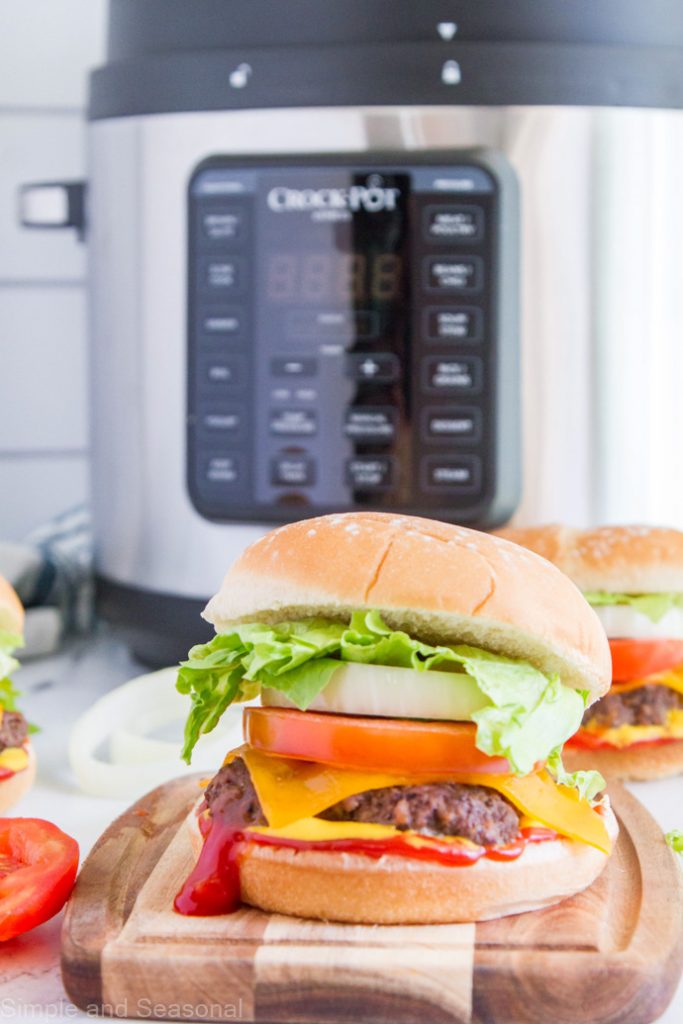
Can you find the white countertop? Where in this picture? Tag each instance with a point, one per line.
(56, 691)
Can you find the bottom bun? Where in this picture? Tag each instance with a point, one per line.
(641, 762)
(13, 788)
(354, 888)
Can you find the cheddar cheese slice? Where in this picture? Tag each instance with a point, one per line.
(672, 679)
(627, 735)
(291, 790)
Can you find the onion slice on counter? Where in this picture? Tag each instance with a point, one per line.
(112, 747)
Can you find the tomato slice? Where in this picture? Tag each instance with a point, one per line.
(38, 865)
(379, 744)
(636, 659)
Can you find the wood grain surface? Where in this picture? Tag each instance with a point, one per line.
(613, 953)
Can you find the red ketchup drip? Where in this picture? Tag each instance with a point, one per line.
(5, 773)
(214, 885)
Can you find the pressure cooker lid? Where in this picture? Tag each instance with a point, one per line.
(183, 55)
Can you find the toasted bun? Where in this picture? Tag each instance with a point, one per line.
(393, 890)
(14, 788)
(641, 762)
(439, 582)
(11, 609)
(620, 559)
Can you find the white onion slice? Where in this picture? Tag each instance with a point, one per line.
(621, 620)
(393, 693)
(123, 722)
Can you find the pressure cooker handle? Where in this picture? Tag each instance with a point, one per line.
(52, 205)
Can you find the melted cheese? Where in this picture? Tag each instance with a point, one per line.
(673, 679)
(14, 759)
(316, 830)
(290, 791)
(626, 735)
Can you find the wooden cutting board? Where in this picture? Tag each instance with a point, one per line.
(613, 953)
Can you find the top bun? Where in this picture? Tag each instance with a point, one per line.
(439, 582)
(11, 609)
(619, 559)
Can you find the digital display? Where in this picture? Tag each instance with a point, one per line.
(293, 277)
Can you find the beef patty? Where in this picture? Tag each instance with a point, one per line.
(13, 729)
(444, 808)
(648, 705)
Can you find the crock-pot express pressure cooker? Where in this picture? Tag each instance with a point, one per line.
(310, 227)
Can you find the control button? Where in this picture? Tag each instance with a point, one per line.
(454, 323)
(461, 474)
(219, 373)
(294, 366)
(224, 422)
(381, 368)
(292, 471)
(281, 394)
(221, 469)
(305, 395)
(370, 425)
(454, 376)
(222, 224)
(452, 424)
(454, 223)
(454, 273)
(370, 472)
(222, 274)
(332, 324)
(226, 323)
(293, 422)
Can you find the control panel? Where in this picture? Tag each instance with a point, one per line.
(353, 337)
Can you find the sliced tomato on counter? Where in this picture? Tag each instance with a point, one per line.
(38, 866)
(636, 659)
(396, 745)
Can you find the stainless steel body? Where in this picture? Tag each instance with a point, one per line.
(602, 305)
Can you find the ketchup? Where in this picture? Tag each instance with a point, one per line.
(214, 885)
(5, 774)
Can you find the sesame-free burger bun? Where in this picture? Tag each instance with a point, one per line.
(618, 559)
(13, 788)
(640, 762)
(439, 582)
(350, 887)
(11, 609)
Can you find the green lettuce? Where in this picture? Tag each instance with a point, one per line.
(588, 783)
(8, 644)
(674, 839)
(527, 714)
(654, 606)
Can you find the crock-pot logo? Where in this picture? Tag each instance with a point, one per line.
(371, 198)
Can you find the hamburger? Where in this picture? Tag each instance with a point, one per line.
(417, 681)
(17, 761)
(633, 578)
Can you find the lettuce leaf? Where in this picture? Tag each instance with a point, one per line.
(8, 644)
(589, 784)
(528, 714)
(654, 606)
(674, 839)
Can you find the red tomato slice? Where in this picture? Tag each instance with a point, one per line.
(593, 741)
(38, 865)
(378, 744)
(636, 659)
